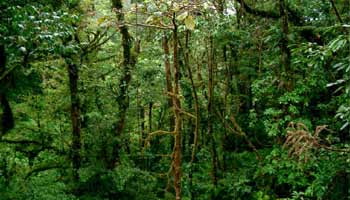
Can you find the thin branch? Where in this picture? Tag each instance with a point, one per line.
(157, 133)
(106, 58)
(346, 150)
(239, 132)
(97, 37)
(7, 72)
(263, 13)
(295, 16)
(98, 43)
(23, 142)
(187, 113)
(336, 11)
(42, 168)
(149, 26)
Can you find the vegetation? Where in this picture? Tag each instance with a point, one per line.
(166, 99)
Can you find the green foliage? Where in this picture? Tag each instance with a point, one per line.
(124, 182)
(255, 98)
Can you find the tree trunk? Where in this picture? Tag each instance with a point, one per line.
(196, 108)
(210, 109)
(7, 122)
(142, 124)
(129, 62)
(150, 108)
(177, 116)
(168, 76)
(75, 118)
(285, 51)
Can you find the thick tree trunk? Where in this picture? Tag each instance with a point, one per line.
(75, 118)
(129, 62)
(7, 122)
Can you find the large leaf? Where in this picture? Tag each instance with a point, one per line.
(182, 16)
(189, 23)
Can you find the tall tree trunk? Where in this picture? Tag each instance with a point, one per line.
(196, 108)
(240, 12)
(285, 51)
(129, 62)
(142, 124)
(177, 115)
(226, 109)
(150, 108)
(168, 76)
(210, 109)
(7, 122)
(75, 118)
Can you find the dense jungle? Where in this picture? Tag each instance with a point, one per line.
(171, 99)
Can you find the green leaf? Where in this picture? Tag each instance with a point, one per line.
(182, 16)
(149, 19)
(337, 44)
(189, 23)
(344, 126)
(101, 20)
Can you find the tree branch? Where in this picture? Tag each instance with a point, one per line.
(23, 142)
(262, 13)
(336, 11)
(46, 167)
(237, 130)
